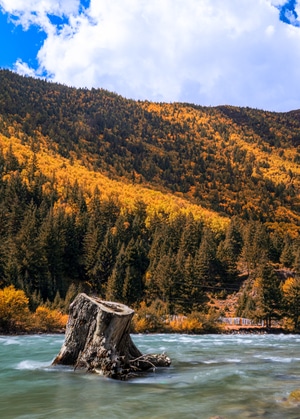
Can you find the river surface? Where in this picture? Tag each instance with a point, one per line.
(227, 376)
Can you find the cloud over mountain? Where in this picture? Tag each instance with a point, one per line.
(238, 52)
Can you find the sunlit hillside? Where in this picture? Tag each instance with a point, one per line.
(165, 207)
(236, 161)
(65, 173)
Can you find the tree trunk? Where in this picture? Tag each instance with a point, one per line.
(98, 340)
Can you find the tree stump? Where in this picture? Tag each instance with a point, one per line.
(97, 339)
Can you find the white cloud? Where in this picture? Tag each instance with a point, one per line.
(278, 2)
(23, 69)
(57, 7)
(226, 51)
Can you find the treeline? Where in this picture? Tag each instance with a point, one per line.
(51, 245)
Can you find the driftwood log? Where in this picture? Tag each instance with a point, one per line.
(97, 339)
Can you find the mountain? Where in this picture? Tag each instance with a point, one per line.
(235, 161)
(206, 176)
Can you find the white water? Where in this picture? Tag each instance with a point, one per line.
(232, 376)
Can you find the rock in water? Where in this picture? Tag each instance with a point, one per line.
(97, 339)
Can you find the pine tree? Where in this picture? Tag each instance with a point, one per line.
(29, 257)
(167, 281)
(269, 302)
(255, 245)
(190, 239)
(73, 251)
(11, 163)
(136, 264)
(276, 246)
(206, 266)
(91, 245)
(191, 290)
(139, 221)
(157, 249)
(287, 255)
(297, 259)
(114, 290)
(229, 249)
(52, 241)
(16, 199)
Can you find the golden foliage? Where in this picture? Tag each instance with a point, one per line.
(289, 285)
(16, 316)
(47, 320)
(66, 173)
(183, 324)
(14, 311)
(154, 319)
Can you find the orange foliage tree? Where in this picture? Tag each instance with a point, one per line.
(291, 294)
(14, 310)
(47, 320)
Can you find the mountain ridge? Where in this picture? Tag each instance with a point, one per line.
(220, 158)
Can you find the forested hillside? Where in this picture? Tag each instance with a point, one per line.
(165, 205)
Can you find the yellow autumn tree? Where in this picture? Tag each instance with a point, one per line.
(47, 320)
(291, 293)
(14, 310)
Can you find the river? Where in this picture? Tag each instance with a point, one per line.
(227, 376)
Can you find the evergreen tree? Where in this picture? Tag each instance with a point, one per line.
(191, 290)
(276, 246)
(136, 264)
(206, 265)
(73, 251)
(110, 210)
(91, 246)
(269, 302)
(255, 245)
(174, 233)
(114, 290)
(229, 249)
(190, 239)
(297, 259)
(168, 282)
(157, 248)
(27, 256)
(11, 163)
(287, 255)
(123, 228)
(16, 198)
(139, 228)
(246, 306)
(52, 242)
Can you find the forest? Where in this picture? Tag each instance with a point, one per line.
(168, 208)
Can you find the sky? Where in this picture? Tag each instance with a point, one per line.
(206, 52)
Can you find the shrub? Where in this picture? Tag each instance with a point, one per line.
(149, 318)
(195, 322)
(14, 310)
(47, 320)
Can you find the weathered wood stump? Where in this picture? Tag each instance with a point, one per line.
(97, 339)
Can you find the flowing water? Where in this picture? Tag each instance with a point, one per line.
(228, 376)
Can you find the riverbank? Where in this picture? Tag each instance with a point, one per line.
(258, 330)
(228, 330)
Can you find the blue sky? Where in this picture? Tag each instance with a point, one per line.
(19, 44)
(208, 52)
